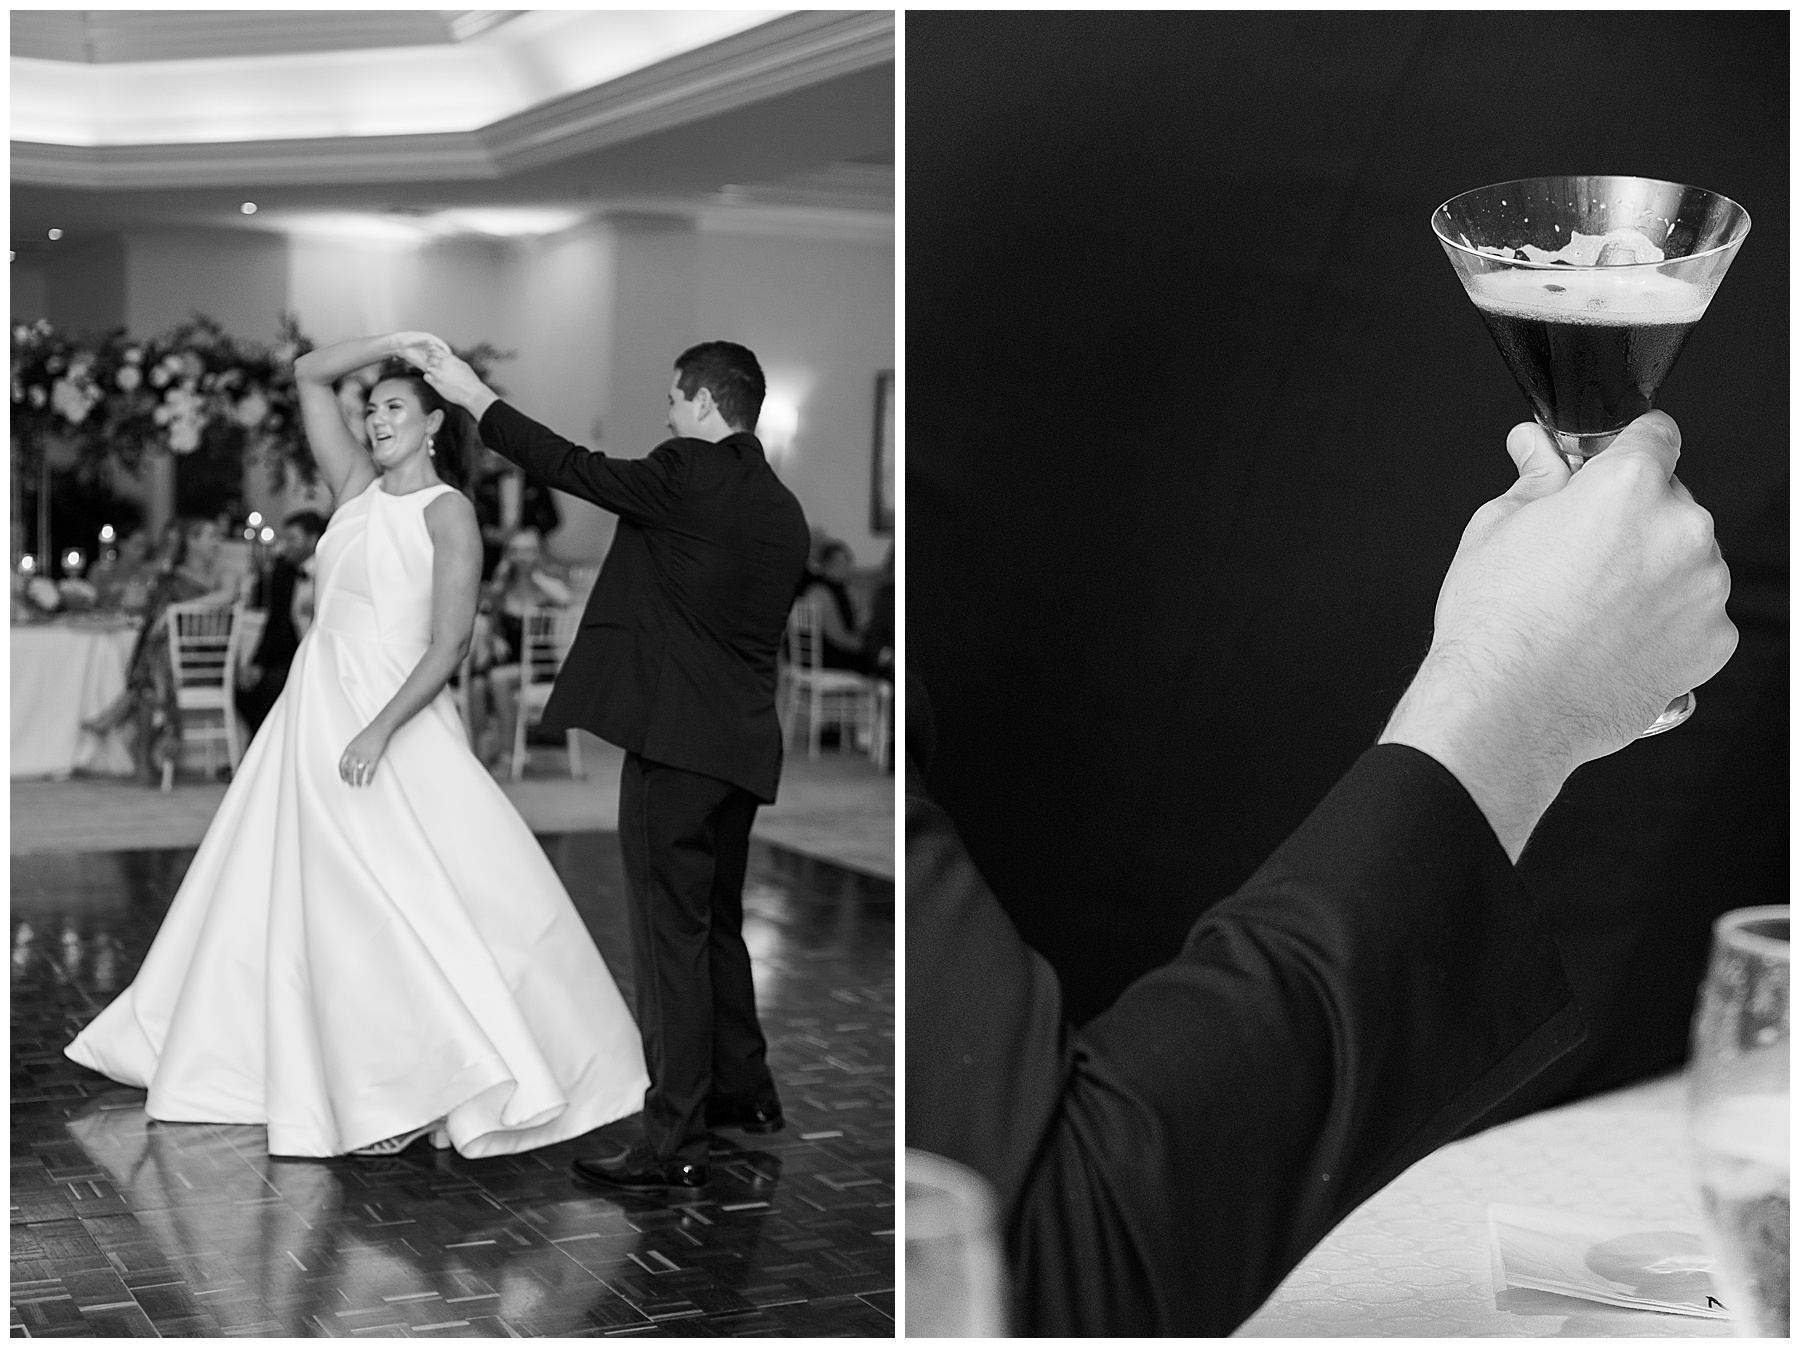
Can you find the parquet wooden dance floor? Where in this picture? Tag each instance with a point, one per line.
(125, 1226)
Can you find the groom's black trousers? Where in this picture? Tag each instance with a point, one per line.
(686, 841)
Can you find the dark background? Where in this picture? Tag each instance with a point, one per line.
(1197, 410)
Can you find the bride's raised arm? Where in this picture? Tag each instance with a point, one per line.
(343, 463)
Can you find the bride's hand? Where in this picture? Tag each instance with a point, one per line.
(357, 766)
(420, 349)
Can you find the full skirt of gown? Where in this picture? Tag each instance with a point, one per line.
(348, 964)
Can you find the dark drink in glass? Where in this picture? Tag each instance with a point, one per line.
(1589, 349)
(1590, 287)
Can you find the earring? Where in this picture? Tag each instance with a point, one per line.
(429, 447)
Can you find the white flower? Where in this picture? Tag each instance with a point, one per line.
(21, 332)
(36, 395)
(252, 410)
(184, 436)
(80, 367)
(42, 592)
(68, 398)
(130, 377)
(134, 355)
(54, 364)
(159, 377)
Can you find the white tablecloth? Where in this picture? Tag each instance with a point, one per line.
(1413, 1261)
(61, 675)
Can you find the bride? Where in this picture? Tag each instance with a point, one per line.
(369, 945)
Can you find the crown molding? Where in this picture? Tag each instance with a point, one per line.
(784, 55)
(775, 58)
(815, 224)
(116, 37)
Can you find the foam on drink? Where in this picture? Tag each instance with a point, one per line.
(1614, 297)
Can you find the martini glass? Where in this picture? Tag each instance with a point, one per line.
(1590, 287)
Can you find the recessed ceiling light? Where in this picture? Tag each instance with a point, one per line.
(248, 208)
(55, 234)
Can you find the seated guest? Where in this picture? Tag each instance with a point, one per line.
(123, 580)
(187, 571)
(537, 508)
(1380, 986)
(524, 579)
(878, 636)
(829, 590)
(262, 678)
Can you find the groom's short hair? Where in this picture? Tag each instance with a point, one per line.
(730, 373)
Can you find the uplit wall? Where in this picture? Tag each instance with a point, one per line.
(820, 316)
(595, 314)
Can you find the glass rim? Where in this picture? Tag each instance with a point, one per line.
(1735, 241)
(1732, 929)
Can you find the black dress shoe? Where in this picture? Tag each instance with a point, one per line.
(637, 1170)
(753, 1116)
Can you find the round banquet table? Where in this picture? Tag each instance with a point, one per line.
(62, 673)
(1414, 1260)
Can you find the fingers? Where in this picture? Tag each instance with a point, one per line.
(355, 771)
(1653, 436)
(1542, 469)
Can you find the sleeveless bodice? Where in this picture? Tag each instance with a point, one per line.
(372, 574)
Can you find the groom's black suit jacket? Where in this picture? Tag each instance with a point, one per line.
(1379, 987)
(676, 655)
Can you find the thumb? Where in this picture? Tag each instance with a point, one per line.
(1542, 470)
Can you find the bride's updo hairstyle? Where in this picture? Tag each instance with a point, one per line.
(456, 445)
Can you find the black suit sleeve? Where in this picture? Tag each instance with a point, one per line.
(1374, 990)
(640, 490)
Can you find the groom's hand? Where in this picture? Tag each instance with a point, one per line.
(418, 348)
(451, 376)
(1574, 610)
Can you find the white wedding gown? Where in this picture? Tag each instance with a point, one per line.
(346, 964)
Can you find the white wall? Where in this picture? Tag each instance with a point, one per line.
(596, 316)
(234, 276)
(30, 299)
(555, 312)
(819, 313)
(343, 288)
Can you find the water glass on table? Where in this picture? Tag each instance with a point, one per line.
(1738, 1116)
(955, 1280)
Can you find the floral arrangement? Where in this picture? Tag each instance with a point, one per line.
(119, 398)
(38, 596)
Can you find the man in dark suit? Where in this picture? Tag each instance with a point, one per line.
(1383, 984)
(261, 680)
(675, 664)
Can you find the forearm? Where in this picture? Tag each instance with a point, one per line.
(534, 447)
(1484, 731)
(428, 678)
(475, 401)
(635, 489)
(1380, 985)
(331, 363)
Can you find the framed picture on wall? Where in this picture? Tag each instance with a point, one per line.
(881, 493)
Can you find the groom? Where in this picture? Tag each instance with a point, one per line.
(675, 664)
